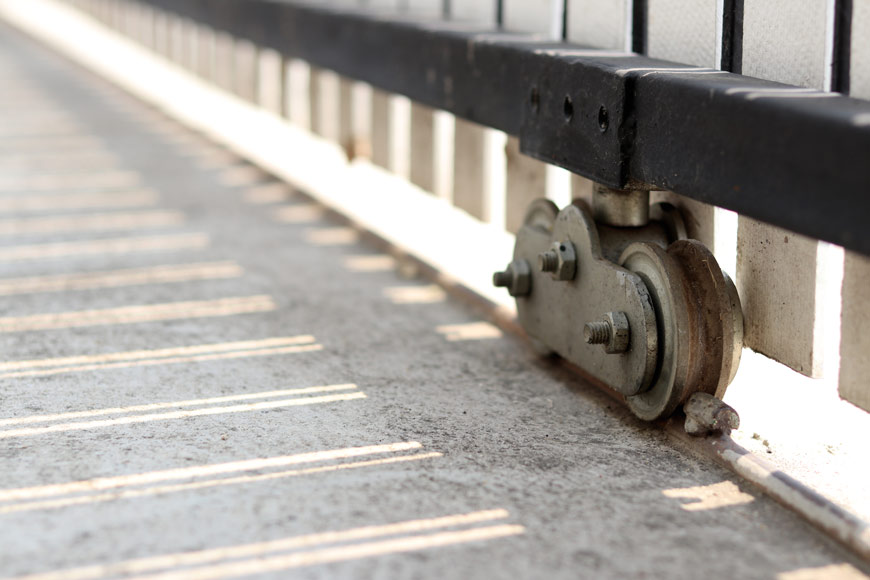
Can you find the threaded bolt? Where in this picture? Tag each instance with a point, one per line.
(612, 331)
(560, 261)
(502, 279)
(548, 261)
(517, 278)
(597, 332)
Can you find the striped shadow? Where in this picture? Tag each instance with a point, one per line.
(302, 213)
(41, 131)
(156, 483)
(137, 314)
(61, 422)
(104, 247)
(142, 358)
(78, 201)
(430, 294)
(90, 180)
(307, 550)
(55, 145)
(117, 278)
(63, 161)
(97, 222)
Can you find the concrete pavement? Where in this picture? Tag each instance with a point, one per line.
(212, 380)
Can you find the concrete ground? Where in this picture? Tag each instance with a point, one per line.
(202, 377)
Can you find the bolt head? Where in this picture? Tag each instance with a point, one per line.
(620, 333)
(566, 267)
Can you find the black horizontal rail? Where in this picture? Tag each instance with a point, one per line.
(792, 157)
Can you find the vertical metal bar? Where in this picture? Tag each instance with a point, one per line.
(842, 57)
(732, 36)
(639, 26)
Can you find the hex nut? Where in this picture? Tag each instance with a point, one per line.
(560, 261)
(517, 278)
(620, 333)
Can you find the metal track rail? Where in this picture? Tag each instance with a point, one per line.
(789, 156)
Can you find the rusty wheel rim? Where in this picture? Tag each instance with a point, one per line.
(718, 317)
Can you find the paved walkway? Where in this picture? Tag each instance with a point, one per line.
(202, 377)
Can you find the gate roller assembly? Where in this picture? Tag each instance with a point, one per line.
(619, 290)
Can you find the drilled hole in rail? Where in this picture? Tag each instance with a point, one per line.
(603, 120)
(535, 99)
(568, 108)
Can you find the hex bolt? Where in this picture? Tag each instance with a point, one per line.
(597, 333)
(560, 261)
(613, 332)
(502, 279)
(548, 261)
(517, 278)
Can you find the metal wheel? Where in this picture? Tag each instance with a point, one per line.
(664, 279)
(541, 214)
(719, 317)
(700, 324)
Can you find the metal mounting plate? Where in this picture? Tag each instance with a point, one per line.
(555, 312)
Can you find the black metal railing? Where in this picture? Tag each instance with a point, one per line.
(793, 157)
